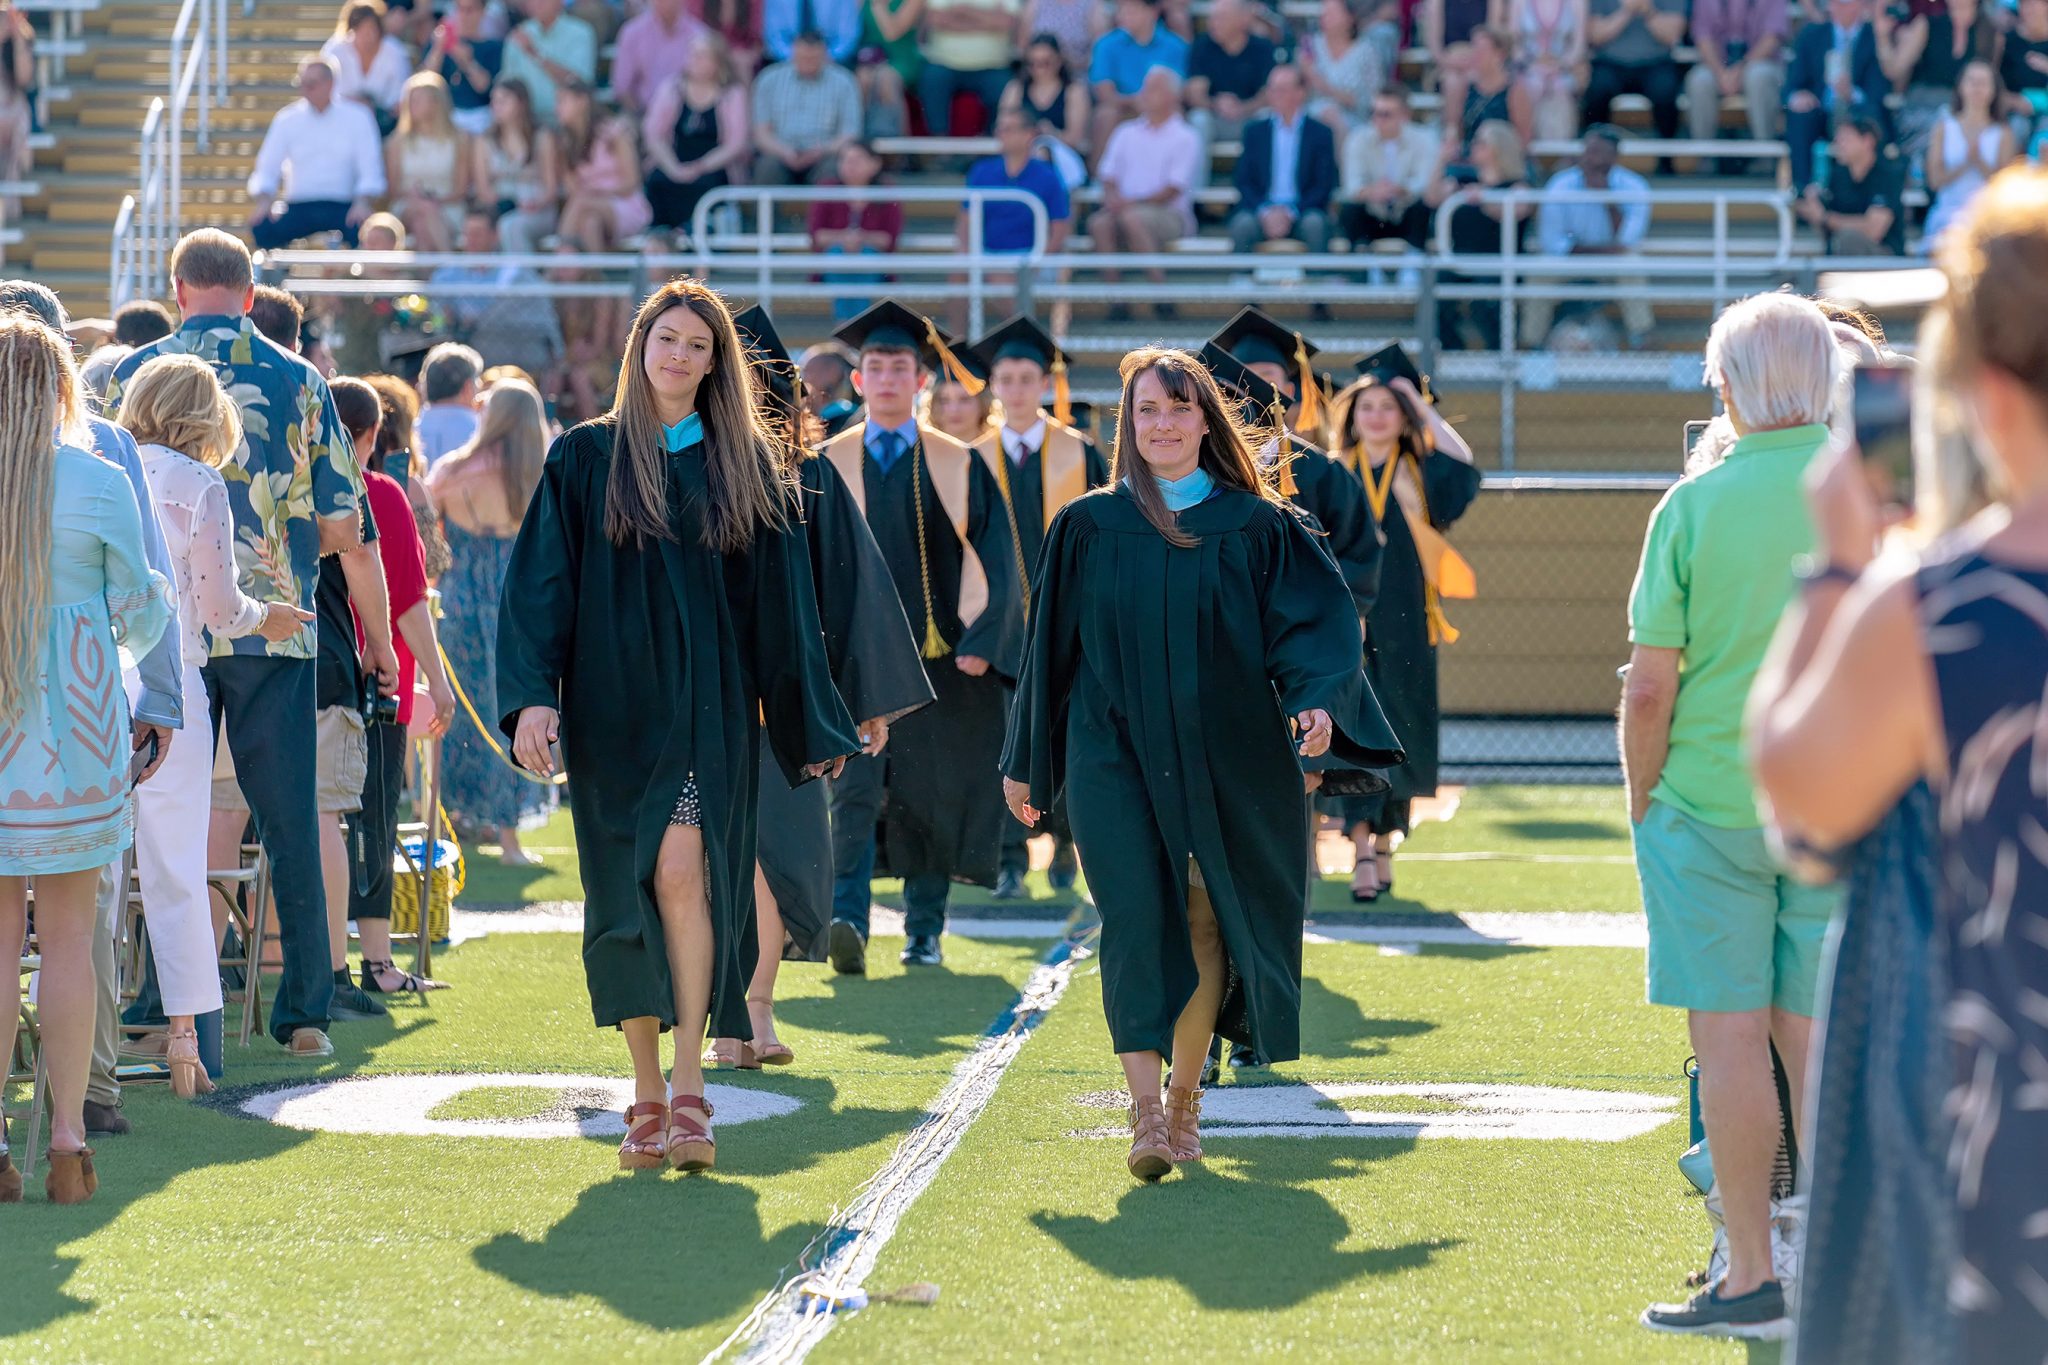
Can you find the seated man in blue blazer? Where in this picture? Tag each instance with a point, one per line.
(1834, 72)
(1286, 195)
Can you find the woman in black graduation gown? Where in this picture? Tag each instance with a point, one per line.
(1184, 620)
(1414, 466)
(666, 609)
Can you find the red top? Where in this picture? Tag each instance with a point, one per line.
(405, 571)
(878, 215)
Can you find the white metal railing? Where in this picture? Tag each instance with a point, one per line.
(140, 243)
(714, 249)
(153, 217)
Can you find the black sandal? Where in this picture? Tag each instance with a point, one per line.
(408, 984)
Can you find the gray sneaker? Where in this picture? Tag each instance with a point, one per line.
(1756, 1316)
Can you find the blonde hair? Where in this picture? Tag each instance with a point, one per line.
(1997, 269)
(176, 401)
(389, 222)
(39, 395)
(1507, 147)
(441, 123)
(1776, 356)
(514, 424)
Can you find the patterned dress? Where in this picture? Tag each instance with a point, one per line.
(1986, 626)
(476, 784)
(64, 803)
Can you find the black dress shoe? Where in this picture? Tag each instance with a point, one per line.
(1064, 869)
(847, 949)
(105, 1120)
(352, 1004)
(1009, 885)
(1240, 1055)
(922, 950)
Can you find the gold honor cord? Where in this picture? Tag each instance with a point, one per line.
(1010, 507)
(935, 646)
(1376, 493)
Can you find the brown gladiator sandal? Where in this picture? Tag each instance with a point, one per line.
(690, 1145)
(72, 1179)
(188, 1075)
(1151, 1157)
(644, 1148)
(1183, 1130)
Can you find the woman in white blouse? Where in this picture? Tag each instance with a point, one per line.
(187, 426)
(370, 66)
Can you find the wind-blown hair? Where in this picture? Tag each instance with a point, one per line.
(1227, 449)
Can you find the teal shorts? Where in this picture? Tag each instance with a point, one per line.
(1729, 930)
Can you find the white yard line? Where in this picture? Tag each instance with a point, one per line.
(1569, 929)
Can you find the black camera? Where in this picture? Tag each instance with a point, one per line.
(377, 708)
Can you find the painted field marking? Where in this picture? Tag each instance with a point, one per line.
(1531, 929)
(585, 1107)
(1533, 1112)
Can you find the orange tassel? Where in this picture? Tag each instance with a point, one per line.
(960, 374)
(1062, 399)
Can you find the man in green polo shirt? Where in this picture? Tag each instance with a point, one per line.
(1734, 941)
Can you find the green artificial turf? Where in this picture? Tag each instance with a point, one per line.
(1332, 1248)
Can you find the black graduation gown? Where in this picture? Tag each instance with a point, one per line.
(1399, 659)
(944, 811)
(1326, 490)
(1156, 695)
(877, 670)
(662, 659)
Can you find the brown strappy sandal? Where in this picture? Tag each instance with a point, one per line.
(10, 1179)
(1151, 1155)
(188, 1075)
(690, 1144)
(72, 1179)
(645, 1147)
(1183, 1126)
(732, 1054)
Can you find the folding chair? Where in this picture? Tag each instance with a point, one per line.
(39, 1088)
(130, 967)
(245, 891)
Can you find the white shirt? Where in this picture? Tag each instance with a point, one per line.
(199, 531)
(332, 154)
(1562, 226)
(383, 84)
(1286, 153)
(1143, 160)
(1022, 445)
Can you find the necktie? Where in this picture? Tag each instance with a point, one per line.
(888, 450)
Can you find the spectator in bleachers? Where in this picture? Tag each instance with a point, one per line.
(448, 386)
(1834, 73)
(1498, 162)
(17, 119)
(1148, 174)
(469, 62)
(1861, 212)
(2023, 70)
(1593, 229)
(549, 48)
(1006, 228)
(410, 22)
(1287, 174)
(1632, 44)
(654, 48)
(1925, 57)
(1048, 95)
(370, 66)
(695, 132)
(968, 47)
(889, 63)
(1550, 39)
(427, 164)
(1342, 69)
(805, 110)
(1447, 29)
(835, 21)
(603, 201)
(1074, 23)
(141, 321)
(1970, 144)
(518, 171)
(1388, 166)
(1122, 59)
(1741, 46)
(739, 23)
(506, 327)
(864, 227)
(325, 155)
(1488, 93)
(1227, 71)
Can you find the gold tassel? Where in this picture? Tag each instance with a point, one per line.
(1062, 400)
(1311, 419)
(1285, 457)
(935, 646)
(960, 374)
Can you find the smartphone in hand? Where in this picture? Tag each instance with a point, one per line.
(1883, 406)
(144, 755)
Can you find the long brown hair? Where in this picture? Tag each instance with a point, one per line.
(1413, 441)
(39, 400)
(515, 425)
(746, 463)
(1226, 451)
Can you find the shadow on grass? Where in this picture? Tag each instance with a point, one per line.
(918, 1014)
(1234, 1244)
(1539, 829)
(675, 1252)
(1334, 1027)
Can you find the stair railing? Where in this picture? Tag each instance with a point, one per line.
(152, 219)
(141, 238)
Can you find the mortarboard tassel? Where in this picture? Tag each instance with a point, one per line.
(960, 373)
(1062, 398)
(1311, 419)
(1285, 456)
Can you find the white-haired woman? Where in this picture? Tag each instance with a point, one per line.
(73, 591)
(1733, 941)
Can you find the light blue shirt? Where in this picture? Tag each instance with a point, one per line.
(1186, 491)
(163, 691)
(684, 434)
(1562, 226)
(872, 440)
(1120, 60)
(1286, 152)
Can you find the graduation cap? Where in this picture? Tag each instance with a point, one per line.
(1263, 399)
(969, 360)
(770, 358)
(889, 326)
(1257, 339)
(1393, 362)
(1021, 338)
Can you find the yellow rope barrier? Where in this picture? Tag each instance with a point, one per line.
(490, 739)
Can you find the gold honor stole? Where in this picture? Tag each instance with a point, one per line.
(944, 462)
(1064, 460)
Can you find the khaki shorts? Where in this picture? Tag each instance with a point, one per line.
(1163, 221)
(341, 764)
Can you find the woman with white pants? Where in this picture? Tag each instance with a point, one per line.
(187, 426)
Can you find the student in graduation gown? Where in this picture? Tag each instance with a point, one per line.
(1188, 627)
(963, 413)
(1415, 470)
(665, 611)
(1042, 462)
(874, 665)
(938, 515)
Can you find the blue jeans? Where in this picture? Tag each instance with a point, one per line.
(845, 310)
(936, 86)
(856, 805)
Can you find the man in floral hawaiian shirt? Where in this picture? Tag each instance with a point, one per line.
(296, 494)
